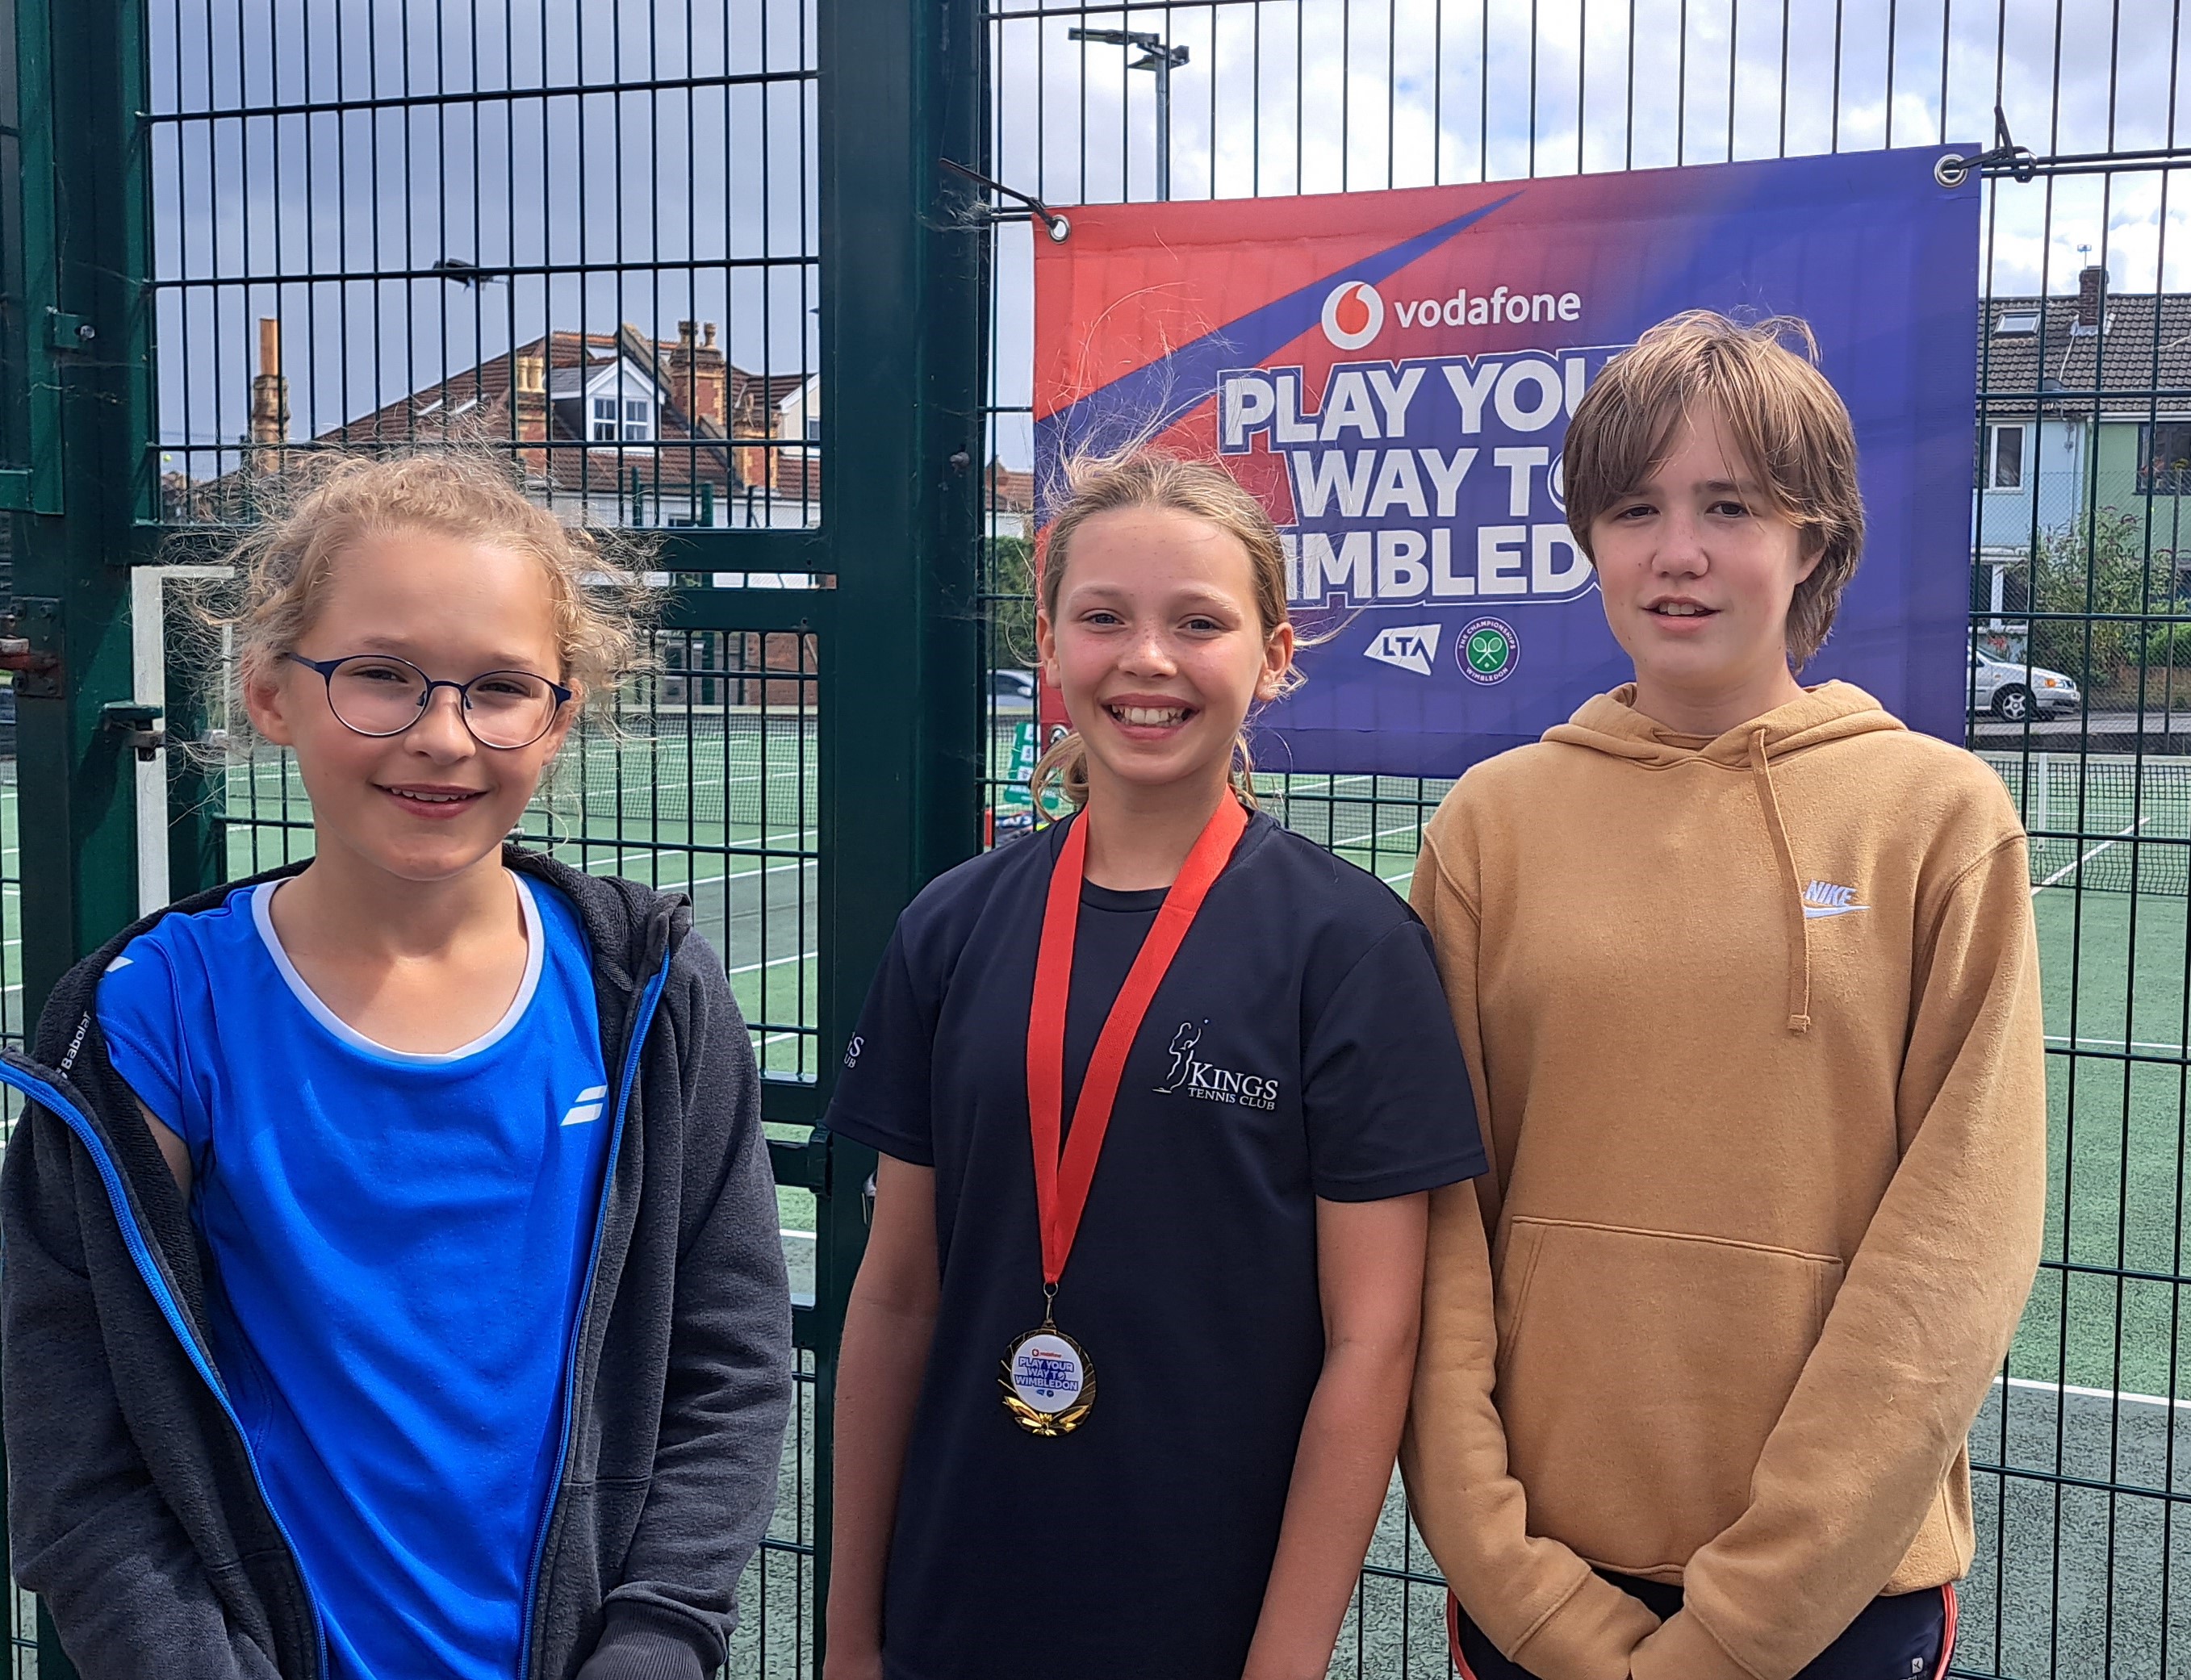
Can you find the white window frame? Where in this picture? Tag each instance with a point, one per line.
(602, 426)
(1993, 479)
(638, 419)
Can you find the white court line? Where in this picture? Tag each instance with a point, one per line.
(776, 962)
(2116, 1395)
(2115, 1043)
(617, 856)
(739, 874)
(2071, 869)
(786, 1231)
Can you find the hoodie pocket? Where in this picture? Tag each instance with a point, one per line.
(1640, 1374)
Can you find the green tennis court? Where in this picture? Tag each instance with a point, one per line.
(720, 803)
(2083, 1429)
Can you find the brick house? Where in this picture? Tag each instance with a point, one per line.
(640, 431)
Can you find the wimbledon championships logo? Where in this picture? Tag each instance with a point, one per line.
(1488, 650)
(1353, 314)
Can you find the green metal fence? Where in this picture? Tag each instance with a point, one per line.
(2083, 1567)
(487, 222)
(612, 241)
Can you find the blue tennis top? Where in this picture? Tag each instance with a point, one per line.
(399, 1244)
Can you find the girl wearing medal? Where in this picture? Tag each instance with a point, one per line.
(1747, 978)
(1158, 1094)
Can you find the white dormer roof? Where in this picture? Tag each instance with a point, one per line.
(617, 377)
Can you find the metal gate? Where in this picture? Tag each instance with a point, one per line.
(487, 222)
(2084, 444)
(692, 267)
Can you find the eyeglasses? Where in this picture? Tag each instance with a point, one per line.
(379, 695)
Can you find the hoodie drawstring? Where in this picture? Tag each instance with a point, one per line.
(1799, 927)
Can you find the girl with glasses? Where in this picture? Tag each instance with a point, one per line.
(393, 1285)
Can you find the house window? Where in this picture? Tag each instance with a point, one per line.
(2164, 458)
(605, 420)
(814, 430)
(637, 421)
(2004, 459)
(2016, 323)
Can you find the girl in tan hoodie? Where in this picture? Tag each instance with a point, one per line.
(1747, 977)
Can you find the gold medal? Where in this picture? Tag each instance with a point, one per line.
(1048, 1381)
(1048, 1378)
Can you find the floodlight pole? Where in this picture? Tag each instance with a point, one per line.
(1157, 55)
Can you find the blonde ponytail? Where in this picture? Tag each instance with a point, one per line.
(1141, 477)
(1064, 769)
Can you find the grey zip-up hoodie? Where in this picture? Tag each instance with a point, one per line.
(134, 1506)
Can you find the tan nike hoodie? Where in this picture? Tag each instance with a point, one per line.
(1754, 1025)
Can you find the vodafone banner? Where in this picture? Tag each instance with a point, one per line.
(1393, 373)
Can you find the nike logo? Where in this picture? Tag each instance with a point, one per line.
(588, 1107)
(1824, 898)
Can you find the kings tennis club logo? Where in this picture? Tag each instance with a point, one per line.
(1190, 1075)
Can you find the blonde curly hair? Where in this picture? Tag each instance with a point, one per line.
(327, 505)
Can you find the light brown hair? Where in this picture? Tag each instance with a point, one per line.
(1142, 477)
(1779, 414)
(323, 507)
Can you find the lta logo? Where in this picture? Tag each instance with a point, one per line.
(1490, 650)
(1353, 314)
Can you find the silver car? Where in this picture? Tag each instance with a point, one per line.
(2013, 692)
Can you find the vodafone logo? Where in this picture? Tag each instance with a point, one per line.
(1353, 314)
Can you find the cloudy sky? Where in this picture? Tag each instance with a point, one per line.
(319, 194)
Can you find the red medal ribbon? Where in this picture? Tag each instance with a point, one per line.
(1061, 1186)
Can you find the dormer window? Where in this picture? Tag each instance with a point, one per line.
(619, 411)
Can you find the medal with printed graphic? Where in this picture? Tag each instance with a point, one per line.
(1048, 1381)
(1048, 1378)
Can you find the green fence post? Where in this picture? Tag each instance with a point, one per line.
(76, 779)
(903, 303)
(197, 838)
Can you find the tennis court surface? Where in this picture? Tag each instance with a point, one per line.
(723, 804)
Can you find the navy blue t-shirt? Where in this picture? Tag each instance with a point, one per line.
(1300, 1047)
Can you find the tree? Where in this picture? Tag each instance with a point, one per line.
(2098, 572)
(1008, 592)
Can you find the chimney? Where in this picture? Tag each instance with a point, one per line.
(2091, 296)
(528, 404)
(269, 391)
(696, 372)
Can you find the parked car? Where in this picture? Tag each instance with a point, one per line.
(1012, 692)
(2013, 692)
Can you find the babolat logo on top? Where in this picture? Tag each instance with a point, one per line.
(1431, 481)
(1190, 1075)
(588, 1107)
